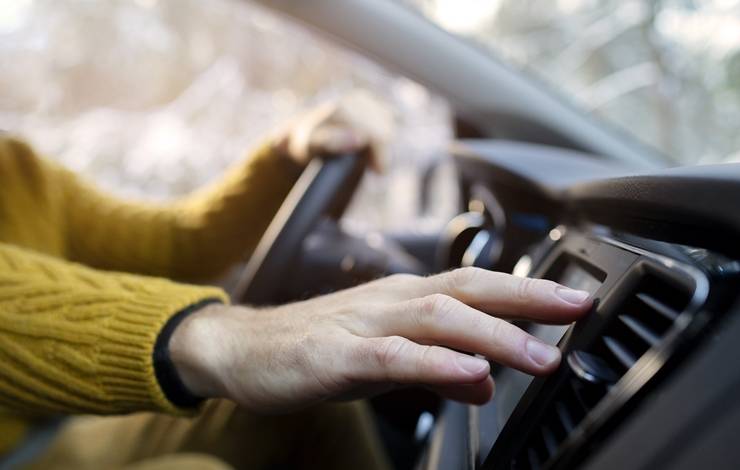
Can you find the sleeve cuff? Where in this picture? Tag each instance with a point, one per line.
(127, 356)
(165, 371)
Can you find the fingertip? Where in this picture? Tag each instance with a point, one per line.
(573, 296)
(474, 368)
(568, 314)
(544, 357)
(569, 305)
(486, 390)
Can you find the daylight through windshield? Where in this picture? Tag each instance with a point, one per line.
(667, 72)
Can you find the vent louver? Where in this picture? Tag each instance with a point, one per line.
(641, 323)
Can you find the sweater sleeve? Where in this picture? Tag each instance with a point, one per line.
(192, 239)
(78, 340)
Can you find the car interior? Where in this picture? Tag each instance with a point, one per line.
(647, 379)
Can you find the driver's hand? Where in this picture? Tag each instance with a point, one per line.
(400, 330)
(356, 122)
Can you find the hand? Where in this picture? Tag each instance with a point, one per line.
(356, 122)
(394, 331)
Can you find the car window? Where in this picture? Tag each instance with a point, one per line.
(667, 72)
(153, 98)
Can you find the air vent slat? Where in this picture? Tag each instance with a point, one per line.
(578, 399)
(551, 445)
(623, 355)
(658, 306)
(565, 420)
(640, 330)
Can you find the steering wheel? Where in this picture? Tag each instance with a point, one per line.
(324, 189)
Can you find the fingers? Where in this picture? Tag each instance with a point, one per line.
(399, 360)
(474, 394)
(504, 294)
(335, 139)
(352, 124)
(443, 320)
(295, 138)
(451, 374)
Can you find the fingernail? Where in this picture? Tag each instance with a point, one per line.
(572, 296)
(541, 353)
(471, 365)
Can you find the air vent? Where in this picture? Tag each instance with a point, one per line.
(640, 323)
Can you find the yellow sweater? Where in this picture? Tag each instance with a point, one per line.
(78, 339)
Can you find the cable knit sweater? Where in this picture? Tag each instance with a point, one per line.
(76, 331)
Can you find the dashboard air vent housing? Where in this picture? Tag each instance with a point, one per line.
(640, 322)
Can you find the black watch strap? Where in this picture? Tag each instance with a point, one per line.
(169, 380)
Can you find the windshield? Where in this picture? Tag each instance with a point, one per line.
(667, 72)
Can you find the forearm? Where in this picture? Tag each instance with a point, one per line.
(194, 238)
(222, 223)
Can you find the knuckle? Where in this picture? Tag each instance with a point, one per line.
(426, 359)
(523, 289)
(390, 350)
(435, 307)
(461, 277)
(499, 328)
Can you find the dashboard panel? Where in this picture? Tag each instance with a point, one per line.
(662, 267)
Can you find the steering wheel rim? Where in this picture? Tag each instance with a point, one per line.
(324, 189)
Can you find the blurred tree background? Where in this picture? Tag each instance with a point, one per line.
(153, 98)
(665, 71)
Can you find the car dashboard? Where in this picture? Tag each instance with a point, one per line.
(649, 377)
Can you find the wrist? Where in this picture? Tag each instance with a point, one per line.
(194, 351)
